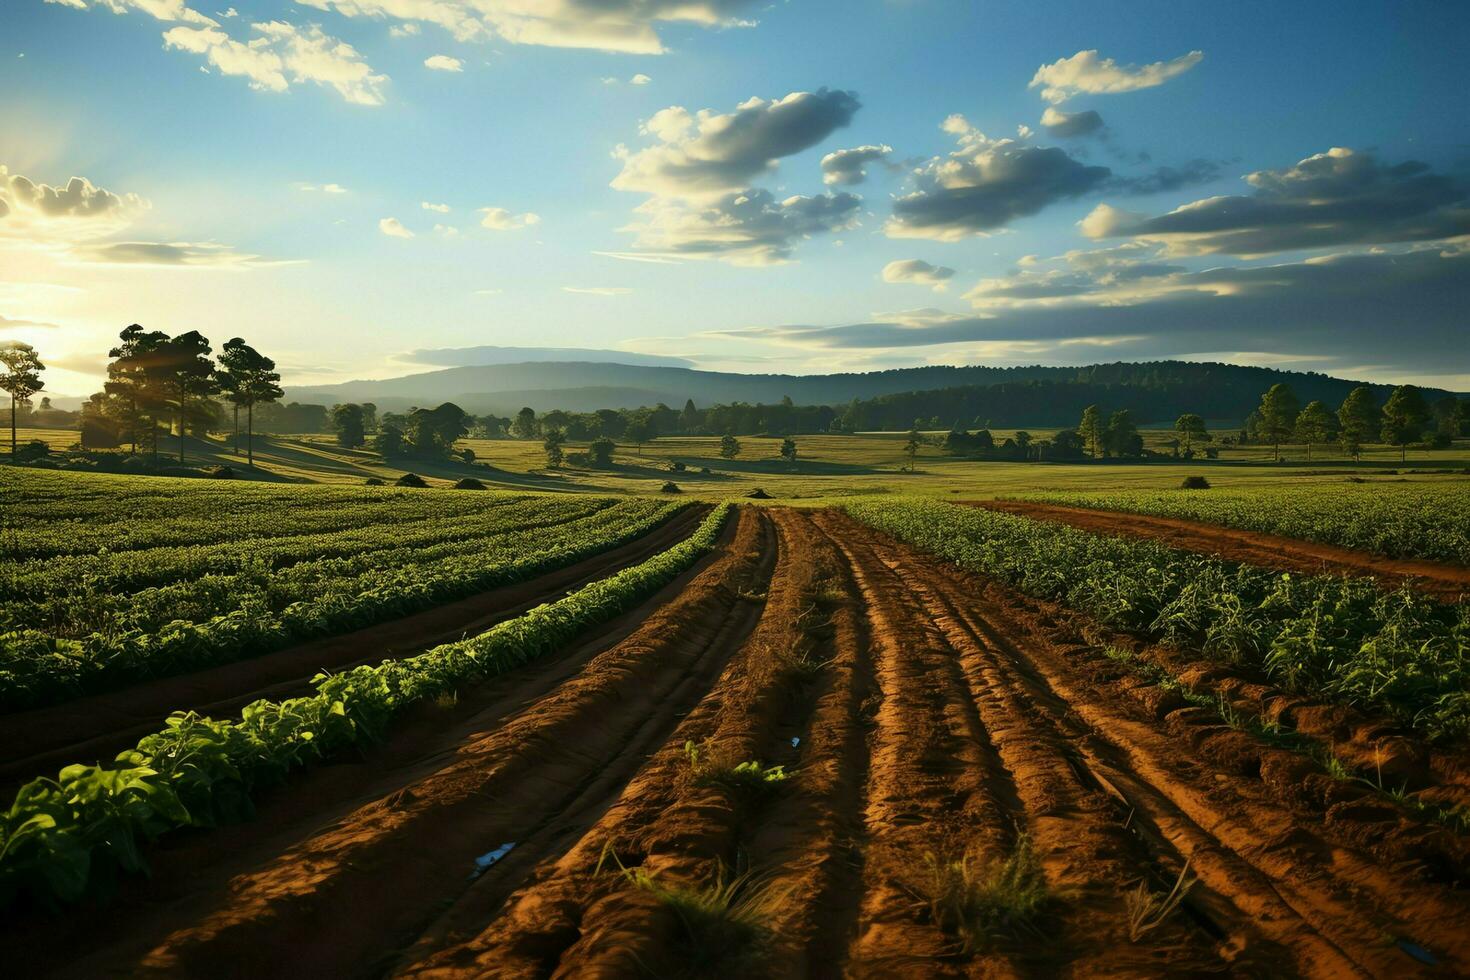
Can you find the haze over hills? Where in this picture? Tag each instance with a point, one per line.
(1152, 388)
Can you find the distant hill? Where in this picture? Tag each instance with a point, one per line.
(488, 355)
(1154, 390)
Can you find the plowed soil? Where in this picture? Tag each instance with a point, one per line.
(1447, 582)
(923, 715)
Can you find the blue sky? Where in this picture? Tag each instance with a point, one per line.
(259, 175)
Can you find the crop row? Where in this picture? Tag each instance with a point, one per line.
(220, 618)
(1426, 520)
(1341, 639)
(61, 834)
(43, 515)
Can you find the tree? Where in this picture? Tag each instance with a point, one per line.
(1358, 420)
(729, 446)
(1191, 429)
(369, 417)
(524, 426)
(20, 377)
(689, 419)
(911, 447)
(1121, 437)
(1314, 424)
(252, 380)
(433, 432)
(788, 450)
(186, 372)
(600, 451)
(1404, 417)
(638, 432)
(1091, 429)
(1067, 444)
(1278, 416)
(131, 383)
(1023, 443)
(348, 421)
(555, 439)
(389, 441)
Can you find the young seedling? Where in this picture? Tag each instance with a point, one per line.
(1147, 909)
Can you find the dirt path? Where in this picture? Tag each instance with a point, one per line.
(1446, 582)
(95, 729)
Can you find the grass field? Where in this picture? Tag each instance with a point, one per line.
(828, 466)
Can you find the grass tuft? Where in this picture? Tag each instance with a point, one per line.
(1147, 909)
(750, 781)
(979, 901)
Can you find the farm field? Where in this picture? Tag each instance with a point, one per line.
(829, 468)
(898, 737)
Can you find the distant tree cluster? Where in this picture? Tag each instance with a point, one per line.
(1405, 419)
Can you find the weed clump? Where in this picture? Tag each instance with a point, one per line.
(979, 901)
(750, 781)
(725, 922)
(1195, 483)
(469, 483)
(410, 480)
(1147, 909)
(670, 487)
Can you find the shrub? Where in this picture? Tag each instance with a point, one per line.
(28, 452)
(1195, 483)
(466, 455)
(676, 467)
(670, 487)
(758, 494)
(410, 480)
(469, 483)
(372, 481)
(220, 473)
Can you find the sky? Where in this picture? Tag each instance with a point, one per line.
(793, 187)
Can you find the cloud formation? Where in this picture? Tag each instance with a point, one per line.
(918, 272)
(1086, 72)
(169, 255)
(75, 211)
(308, 54)
(849, 166)
(393, 228)
(985, 185)
(1341, 197)
(598, 290)
(499, 219)
(431, 206)
(626, 26)
(166, 10)
(1068, 125)
(443, 62)
(1402, 309)
(708, 153)
(748, 227)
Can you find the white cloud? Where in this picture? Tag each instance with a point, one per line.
(228, 13)
(163, 255)
(709, 153)
(610, 25)
(850, 166)
(306, 52)
(598, 290)
(748, 227)
(918, 272)
(430, 206)
(442, 62)
(446, 231)
(73, 212)
(324, 188)
(167, 10)
(393, 228)
(1069, 124)
(499, 219)
(404, 30)
(639, 79)
(1086, 72)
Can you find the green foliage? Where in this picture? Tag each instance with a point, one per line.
(600, 452)
(59, 835)
(1359, 420)
(1418, 521)
(91, 600)
(552, 444)
(1398, 653)
(729, 446)
(979, 901)
(750, 781)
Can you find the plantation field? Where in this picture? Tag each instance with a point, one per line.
(828, 467)
(588, 734)
(112, 580)
(1400, 521)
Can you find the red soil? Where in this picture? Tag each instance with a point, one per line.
(1447, 582)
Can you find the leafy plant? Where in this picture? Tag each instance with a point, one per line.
(978, 901)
